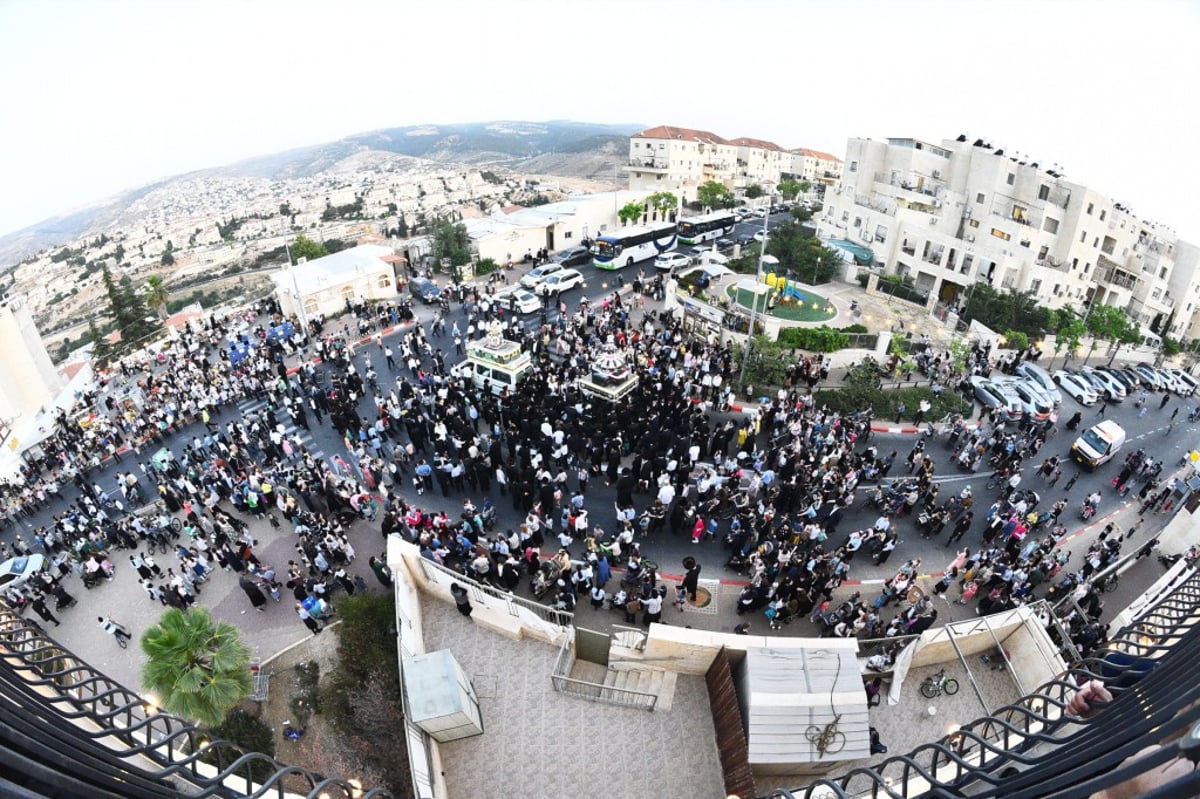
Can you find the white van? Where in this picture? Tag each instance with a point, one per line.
(493, 370)
(1098, 444)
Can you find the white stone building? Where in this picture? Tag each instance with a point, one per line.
(948, 215)
(816, 167)
(679, 160)
(325, 284)
(28, 380)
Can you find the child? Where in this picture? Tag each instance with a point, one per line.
(680, 596)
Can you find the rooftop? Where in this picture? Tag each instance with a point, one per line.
(680, 134)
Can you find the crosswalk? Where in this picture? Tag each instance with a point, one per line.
(291, 429)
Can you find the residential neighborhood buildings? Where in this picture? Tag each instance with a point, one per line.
(680, 160)
(949, 214)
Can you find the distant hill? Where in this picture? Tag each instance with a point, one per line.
(557, 147)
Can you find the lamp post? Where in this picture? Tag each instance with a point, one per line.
(762, 251)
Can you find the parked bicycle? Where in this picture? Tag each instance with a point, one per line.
(937, 684)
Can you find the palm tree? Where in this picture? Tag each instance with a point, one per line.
(197, 667)
(157, 294)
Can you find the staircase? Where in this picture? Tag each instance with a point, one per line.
(649, 681)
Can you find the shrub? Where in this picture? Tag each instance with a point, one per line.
(855, 328)
(486, 266)
(813, 339)
(1016, 339)
(251, 734)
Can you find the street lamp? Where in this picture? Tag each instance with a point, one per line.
(762, 251)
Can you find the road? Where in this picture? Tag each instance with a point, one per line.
(1146, 431)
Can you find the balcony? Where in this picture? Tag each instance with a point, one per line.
(649, 164)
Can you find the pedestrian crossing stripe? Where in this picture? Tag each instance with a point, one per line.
(248, 406)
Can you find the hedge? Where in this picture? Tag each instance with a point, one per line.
(885, 401)
(818, 339)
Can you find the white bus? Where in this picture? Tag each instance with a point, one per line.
(629, 245)
(699, 229)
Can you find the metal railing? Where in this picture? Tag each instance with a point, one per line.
(514, 604)
(596, 692)
(92, 731)
(1033, 748)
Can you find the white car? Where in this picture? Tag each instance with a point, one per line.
(540, 273)
(760, 236)
(519, 301)
(670, 261)
(16, 572)
(1076, 387)
(562, 281)
(1189, 383)
(1111, 388)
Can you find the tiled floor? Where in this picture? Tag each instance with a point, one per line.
(541, 743)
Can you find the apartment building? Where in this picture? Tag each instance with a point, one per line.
(953, 213)
(679, 160)
(814, 166)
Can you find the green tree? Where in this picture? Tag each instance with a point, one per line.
(450, 241)
(102, 351)
(157, 294)
(1069, 330)
(1105, 322)
(790, 188)
(631, 213)
(802, 255)
(304, 247)
(754, 191)
(1006, 310)
(1016, 340)
(197, 667)
(714, 194)
(167, 258)
(664, 202)
(129, 312)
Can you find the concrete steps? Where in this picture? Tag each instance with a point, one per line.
(649, 681)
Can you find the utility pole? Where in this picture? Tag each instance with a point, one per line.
(762, 251)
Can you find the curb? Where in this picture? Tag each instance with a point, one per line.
(902, 429)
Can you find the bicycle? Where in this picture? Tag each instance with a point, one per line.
(828, 738)
(937, 684)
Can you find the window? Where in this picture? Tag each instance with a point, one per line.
(568, 235)
(1057, 289)
(1087, 267)
(1035, 286)
(1050, 225)
(979, 198)
(311, 306)
(1043, 192)
(1162, 273)
(1011, 178)
(1043, 252)
(1096, 241)
(347, 292)
(880, 233)
(1090, 207)
(975, 223)
(1103, 213)
(853, 166)
(1025, 243)
(967, 260)
(1000, 234)
(385, 281)
(858, 221)
(845, 216)
(1156, 294)
(1083, 237)
(1074, 264)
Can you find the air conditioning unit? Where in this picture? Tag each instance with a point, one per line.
(937, 174)
(970, 237)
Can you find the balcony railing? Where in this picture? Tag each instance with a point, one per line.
(1033, 748)
(649, 163)
(87, 731)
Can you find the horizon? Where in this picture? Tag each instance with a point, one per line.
(1096, 97)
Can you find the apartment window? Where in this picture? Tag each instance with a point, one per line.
(858, 221)
(1103, 213)
(385, 282)
(979, 198)
(1096, 241)
(853, 166)
(974, 223)
(1083, 237)
(880, 233)
(1011, 178)
(967, 260)
(1162, 273)
(1156, 294)
(1043, 192)
(1025, 243)
(1090, 207)
(1087, 267)
(1000, 234)
(1050, 225)
(1074, 264)
(1043, 252)
(1035, 286)
(845, 216)
(567, 235)
(1057, 289)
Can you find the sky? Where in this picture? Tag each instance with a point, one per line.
(100, 96)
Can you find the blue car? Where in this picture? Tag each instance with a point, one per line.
(425, 290)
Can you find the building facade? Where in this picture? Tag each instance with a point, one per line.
(28, 379)
(325, 285)
(818, 168)
(950, 214)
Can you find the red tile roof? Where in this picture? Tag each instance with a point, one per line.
(820, 156)
(746, 141)
(681, 134)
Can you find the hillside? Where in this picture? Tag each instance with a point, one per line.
(558, 147)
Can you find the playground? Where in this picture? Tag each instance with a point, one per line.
(784, 299)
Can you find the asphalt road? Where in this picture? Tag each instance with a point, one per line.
(1146, 431)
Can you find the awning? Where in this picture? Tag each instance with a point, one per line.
(862, 255)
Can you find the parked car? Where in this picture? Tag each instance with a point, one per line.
(1149, 377)
(1112, 390)
(1077, 388)
(992, 397)
(1120, 376)
(1035, 404)
(745, 239)
(1036, 374)
(1168, 379)
(518, 300)
(724, 245)
(1096, 383)
(1132, 374)
(425, 290)
(15, 572)
(670, 261)
(760, 236)
(1098, 444)
(540, 273)
(1189, 383)
(561, 281)
(574, 256)
(742, 212)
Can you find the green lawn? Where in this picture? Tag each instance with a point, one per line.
(791, 311)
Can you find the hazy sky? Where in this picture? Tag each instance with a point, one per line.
(103, 96)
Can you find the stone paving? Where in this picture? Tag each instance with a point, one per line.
(538, 742)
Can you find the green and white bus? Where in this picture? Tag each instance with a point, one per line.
(699, 229)
(629, 245)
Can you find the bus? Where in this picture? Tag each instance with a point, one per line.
(637, 243)
(699, 229)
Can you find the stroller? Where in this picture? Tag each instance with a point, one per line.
(546, 577)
